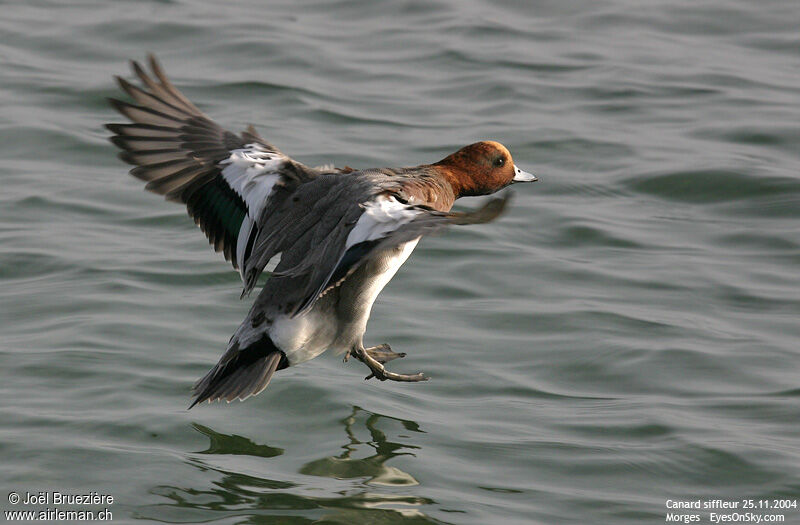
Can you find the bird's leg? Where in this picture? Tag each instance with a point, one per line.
(365, 355)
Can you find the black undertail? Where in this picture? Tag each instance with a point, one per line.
(240, 373)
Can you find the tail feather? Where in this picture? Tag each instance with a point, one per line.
(240, 373)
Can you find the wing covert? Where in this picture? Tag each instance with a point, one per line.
(328, 251)
(407, 224)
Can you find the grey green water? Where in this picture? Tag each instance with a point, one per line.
(627, 334)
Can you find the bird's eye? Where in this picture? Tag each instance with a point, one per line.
(499, 161)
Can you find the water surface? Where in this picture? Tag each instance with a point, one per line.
(627, 333)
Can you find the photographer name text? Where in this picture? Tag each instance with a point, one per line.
(62, 498)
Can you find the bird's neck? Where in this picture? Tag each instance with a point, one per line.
(458, 177)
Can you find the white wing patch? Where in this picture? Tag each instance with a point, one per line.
(241, 242)
(381, 217)
(251, 172)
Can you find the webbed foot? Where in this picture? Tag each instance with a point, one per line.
(374, 358)
(383, 353)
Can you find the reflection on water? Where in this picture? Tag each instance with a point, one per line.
(371, 496)
(233, 444)
(346, 466)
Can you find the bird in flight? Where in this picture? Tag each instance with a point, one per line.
(338, 235)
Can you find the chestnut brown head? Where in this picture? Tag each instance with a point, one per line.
(481, 168)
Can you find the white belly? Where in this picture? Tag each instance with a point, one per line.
(290, 333)
(307, 336)
(381, 280)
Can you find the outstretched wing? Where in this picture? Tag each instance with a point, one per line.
(373, 227)
(225, 180)
(388, 224)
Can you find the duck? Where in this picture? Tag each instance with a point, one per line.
(328, 239)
